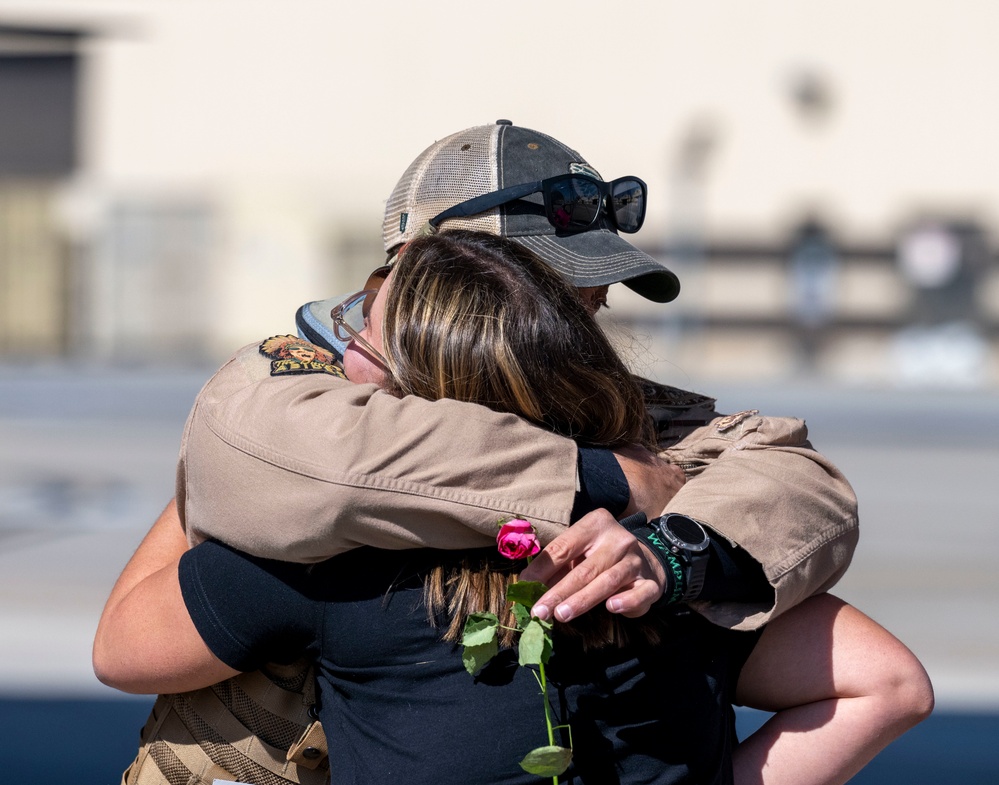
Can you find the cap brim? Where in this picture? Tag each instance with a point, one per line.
(316, 325)
(601, 257)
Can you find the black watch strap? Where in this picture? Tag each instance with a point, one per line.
(690, 541)
(695, 578)
(676, 576)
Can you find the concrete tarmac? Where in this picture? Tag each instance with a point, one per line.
(87, 461)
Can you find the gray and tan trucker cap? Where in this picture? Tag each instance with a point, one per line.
(486, 158)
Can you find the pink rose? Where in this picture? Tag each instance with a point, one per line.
(517, 540)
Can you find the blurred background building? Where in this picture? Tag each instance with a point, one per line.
(177, 177)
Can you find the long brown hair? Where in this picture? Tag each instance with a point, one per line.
(476, 317)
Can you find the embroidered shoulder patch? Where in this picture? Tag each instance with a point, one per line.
(732, 420)
(291, 355)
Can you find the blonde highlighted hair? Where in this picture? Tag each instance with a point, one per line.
(476, 317)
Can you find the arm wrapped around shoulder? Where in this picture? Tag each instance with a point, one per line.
(758, 482)
(303, 467)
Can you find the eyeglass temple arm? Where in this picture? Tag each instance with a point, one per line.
(480, 204)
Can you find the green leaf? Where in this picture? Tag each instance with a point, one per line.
(547, 761)
(480, 628)
(535, 645)
(480, 641)
(521, 614)
(474, 658)
(526, 592)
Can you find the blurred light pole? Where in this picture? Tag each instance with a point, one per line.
(813, 271)
(686, 241)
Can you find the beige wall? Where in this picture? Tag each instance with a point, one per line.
(231, 91)
(294, 118)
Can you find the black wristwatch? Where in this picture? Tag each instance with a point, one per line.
(681, 545)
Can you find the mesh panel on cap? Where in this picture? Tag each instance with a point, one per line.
(445, 175)
(442, 176)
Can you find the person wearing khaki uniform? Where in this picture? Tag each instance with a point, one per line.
(261, 449)
(257, 469)
(754, 480)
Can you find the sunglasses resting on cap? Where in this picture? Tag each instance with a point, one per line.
(573, 202)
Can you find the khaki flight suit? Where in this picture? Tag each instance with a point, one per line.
(289, 461)
(304, 466)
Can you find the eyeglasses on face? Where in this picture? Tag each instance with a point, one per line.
(573, 202)
(350, 318)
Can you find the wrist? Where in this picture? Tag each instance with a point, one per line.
(679, 544)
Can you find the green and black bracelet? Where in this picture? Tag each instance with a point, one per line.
(681, 545)
(676, 575)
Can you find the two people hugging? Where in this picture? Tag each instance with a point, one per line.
(331, 536)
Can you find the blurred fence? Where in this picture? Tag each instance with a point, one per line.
(921, 310)
(184, 278)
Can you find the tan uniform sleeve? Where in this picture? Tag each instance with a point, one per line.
(758, 482)
(303, 467)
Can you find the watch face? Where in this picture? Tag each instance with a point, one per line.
(686, 531)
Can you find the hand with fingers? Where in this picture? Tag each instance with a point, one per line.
(596, 560)
(599, 561)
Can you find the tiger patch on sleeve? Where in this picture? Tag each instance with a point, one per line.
(291, 355)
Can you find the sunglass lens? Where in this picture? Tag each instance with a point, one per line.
(574, 204)
(628, 203)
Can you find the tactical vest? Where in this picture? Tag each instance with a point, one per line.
(256, 728)
(675, 413)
